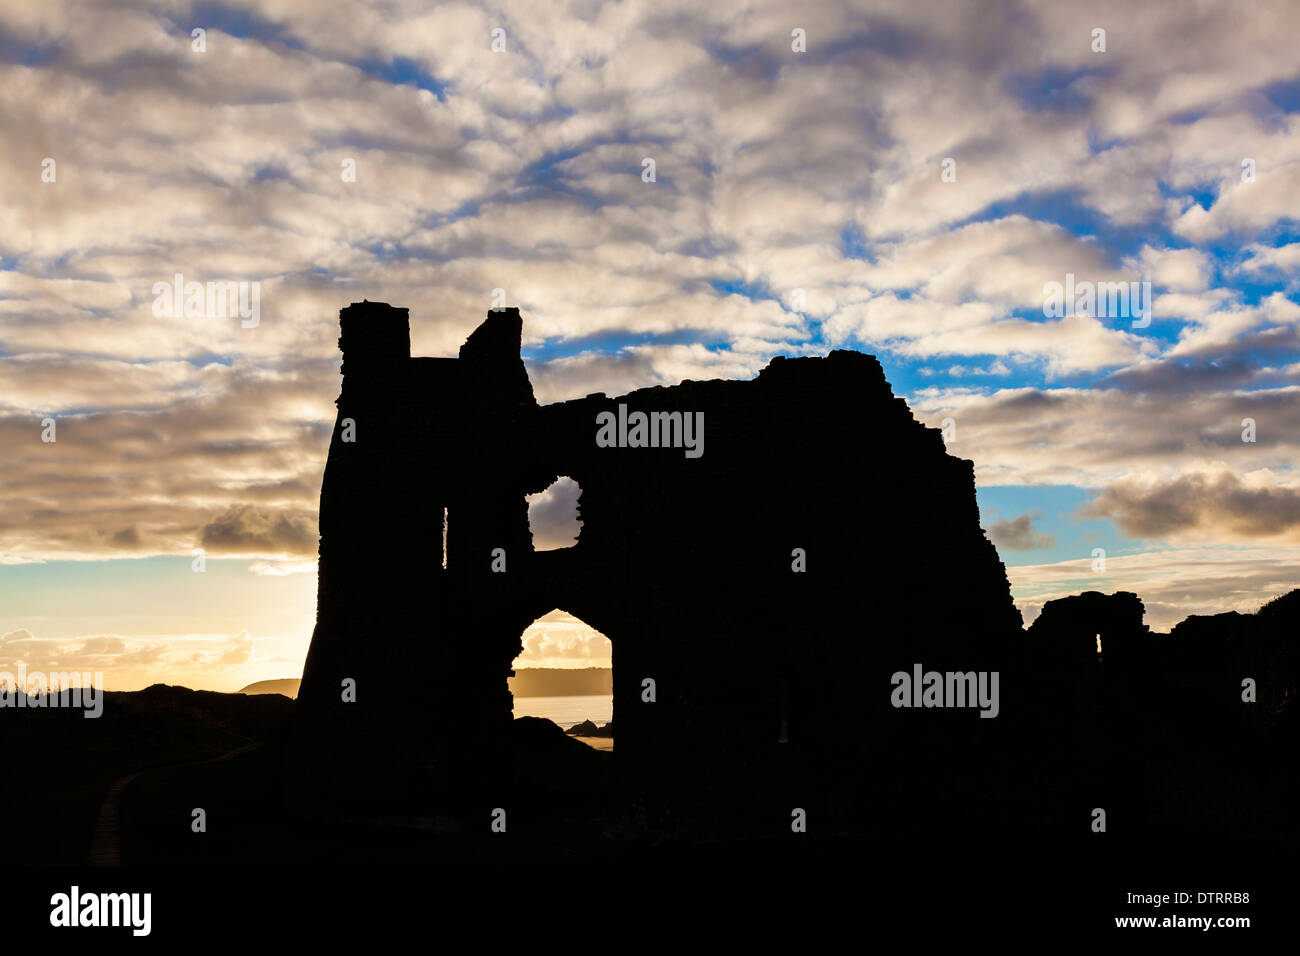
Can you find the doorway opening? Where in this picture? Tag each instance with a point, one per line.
(565, 674)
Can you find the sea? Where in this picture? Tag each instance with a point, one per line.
(567, 711)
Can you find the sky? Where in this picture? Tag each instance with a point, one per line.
(667, 190)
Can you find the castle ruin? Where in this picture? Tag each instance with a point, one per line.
(822, 540)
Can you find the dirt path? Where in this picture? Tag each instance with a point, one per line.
(106, 844)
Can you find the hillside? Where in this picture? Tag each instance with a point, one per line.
(561, 682)
(288, 686)
(527, 682)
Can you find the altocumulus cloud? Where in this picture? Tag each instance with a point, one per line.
(798, 206)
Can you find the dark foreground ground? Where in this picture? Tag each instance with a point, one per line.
(1215, 819)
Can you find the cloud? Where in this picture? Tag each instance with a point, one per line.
(238, 650)
(1272, 262)
(1018, 534)
(91, 653)
(558, 639)
(1177, 270)
(243, 529)
(111, 644)
(1091, 437)
(920, 329)
(1202, 507)
(1273, 325)
(777, 172)
(1245, 207)
(281, 568)
(126, 538)
(132, 662)
(149, 477)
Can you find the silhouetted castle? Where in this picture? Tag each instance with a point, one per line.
(766, 589)
(687, 564)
